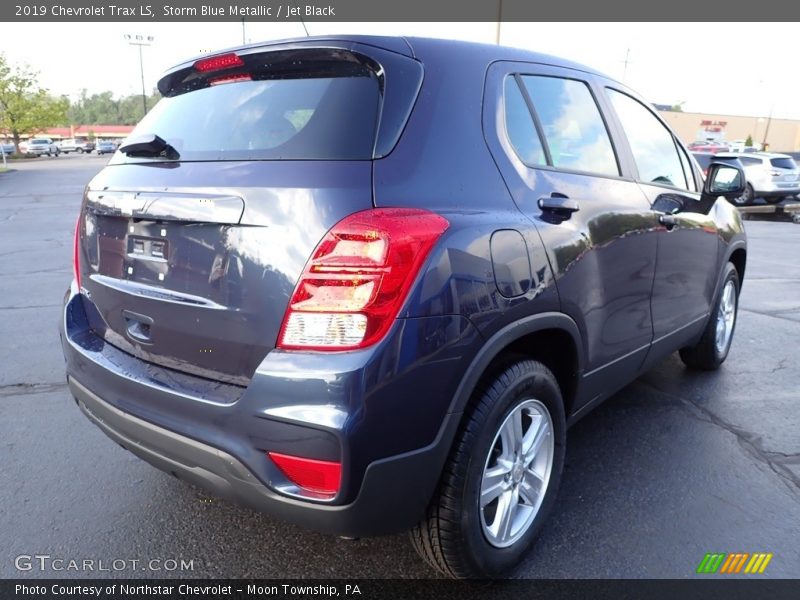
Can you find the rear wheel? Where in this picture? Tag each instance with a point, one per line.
(712, 349)
(502, 476)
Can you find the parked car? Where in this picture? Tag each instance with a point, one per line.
(40, 146)
(106, 147)
(771, 176)
(76, 145)
(704, 160)
(741, 146)
(368, 325)
(712, 147)
(7, 148)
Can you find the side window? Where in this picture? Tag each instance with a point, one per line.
(687, 170)
(652, 144)
(520, 127)
(574, 131)
(748, 161)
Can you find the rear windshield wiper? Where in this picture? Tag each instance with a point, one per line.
(149, 145)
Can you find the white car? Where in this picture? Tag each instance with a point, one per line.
(39, 146)
(769, 175)
(76, 145)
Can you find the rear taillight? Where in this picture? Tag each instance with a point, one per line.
(219, 62)
(317, 476)
(358, 278)
(76, 265)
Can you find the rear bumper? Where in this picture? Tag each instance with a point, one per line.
(777, 188)
(390, 499)
(217, 437)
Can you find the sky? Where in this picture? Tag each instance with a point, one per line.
(723, 68)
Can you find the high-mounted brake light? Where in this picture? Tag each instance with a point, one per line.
(217, 63)
(353, 287)
(232, 78)
(316, 476)
(76, 265)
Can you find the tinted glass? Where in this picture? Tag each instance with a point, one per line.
(749, 160)
(703, 160)
(325, 117)
(783, 163)
(573, 128)
(652, 144)
(520, 127)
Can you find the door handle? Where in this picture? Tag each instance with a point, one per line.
(559, 204)
(669, 221)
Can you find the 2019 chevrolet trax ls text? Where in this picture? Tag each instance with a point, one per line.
(365, 284)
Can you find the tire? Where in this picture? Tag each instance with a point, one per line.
(746, 198)
(711, 351)
(774, 199)
(459, 537)
(80, 150)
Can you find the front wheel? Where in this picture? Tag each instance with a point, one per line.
(712, 349)
(502, 476)
(746, 198)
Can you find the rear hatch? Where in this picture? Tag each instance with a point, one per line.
(784, 170)
(189, 256)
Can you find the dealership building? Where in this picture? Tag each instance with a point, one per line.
(782, 135)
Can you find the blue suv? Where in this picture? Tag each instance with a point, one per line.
(366, 284)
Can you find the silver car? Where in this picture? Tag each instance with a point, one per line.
(39, 146)
(769, 175)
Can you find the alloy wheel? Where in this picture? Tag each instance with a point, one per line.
(516, 473)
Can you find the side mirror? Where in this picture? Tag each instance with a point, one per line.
(725, 179)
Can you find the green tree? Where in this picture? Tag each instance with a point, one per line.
(678, 107)
(749, 140)
(105, 109)
(24, 106)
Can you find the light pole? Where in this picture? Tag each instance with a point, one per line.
(141, 40)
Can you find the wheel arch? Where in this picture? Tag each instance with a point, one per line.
(738, 256)
(552, 338)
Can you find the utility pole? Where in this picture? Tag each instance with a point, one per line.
(766, 129)
(141, 40)
(499, 21)
(243, 42)
(626, 61)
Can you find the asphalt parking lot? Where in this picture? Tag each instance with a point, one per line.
(676, 465)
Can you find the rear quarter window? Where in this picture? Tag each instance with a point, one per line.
(520, 126)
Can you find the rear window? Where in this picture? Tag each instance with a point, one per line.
(288, 110)
(38, 142)
(783, 163)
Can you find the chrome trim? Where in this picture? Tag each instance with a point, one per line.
(156, 293)
(164, 206)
